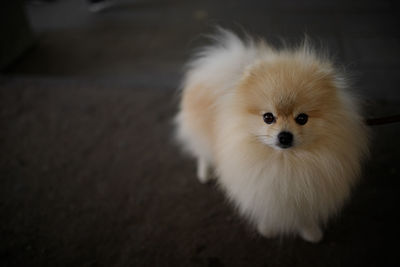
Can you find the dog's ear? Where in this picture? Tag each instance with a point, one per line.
(253, 73)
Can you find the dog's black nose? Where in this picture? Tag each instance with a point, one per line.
(285, 139)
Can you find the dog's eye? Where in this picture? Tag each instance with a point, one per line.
(268, 118)
(301, 119)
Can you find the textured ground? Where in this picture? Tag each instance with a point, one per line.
(89, 175)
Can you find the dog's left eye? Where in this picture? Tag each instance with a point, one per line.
(301, 119)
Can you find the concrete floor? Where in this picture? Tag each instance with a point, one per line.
(89, 175)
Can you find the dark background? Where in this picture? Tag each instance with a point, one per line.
(90, 176)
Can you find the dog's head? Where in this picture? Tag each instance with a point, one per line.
(288, 102)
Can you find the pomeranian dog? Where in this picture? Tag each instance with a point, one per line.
(279, 127)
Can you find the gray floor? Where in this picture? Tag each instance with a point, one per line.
(90, 176)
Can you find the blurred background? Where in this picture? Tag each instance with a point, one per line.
(89, 173)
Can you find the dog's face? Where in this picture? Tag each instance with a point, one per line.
(288, 104)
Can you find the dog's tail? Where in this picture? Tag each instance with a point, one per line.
(222, 62)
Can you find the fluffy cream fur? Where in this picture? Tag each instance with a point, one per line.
(228, 88)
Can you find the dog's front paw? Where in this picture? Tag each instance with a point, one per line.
(311, 234)
(265, 231)
(203, 171)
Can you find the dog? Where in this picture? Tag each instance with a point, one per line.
(279, 129)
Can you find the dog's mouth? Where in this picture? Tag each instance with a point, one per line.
(284, 146)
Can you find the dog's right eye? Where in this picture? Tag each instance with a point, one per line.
(268, 118)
